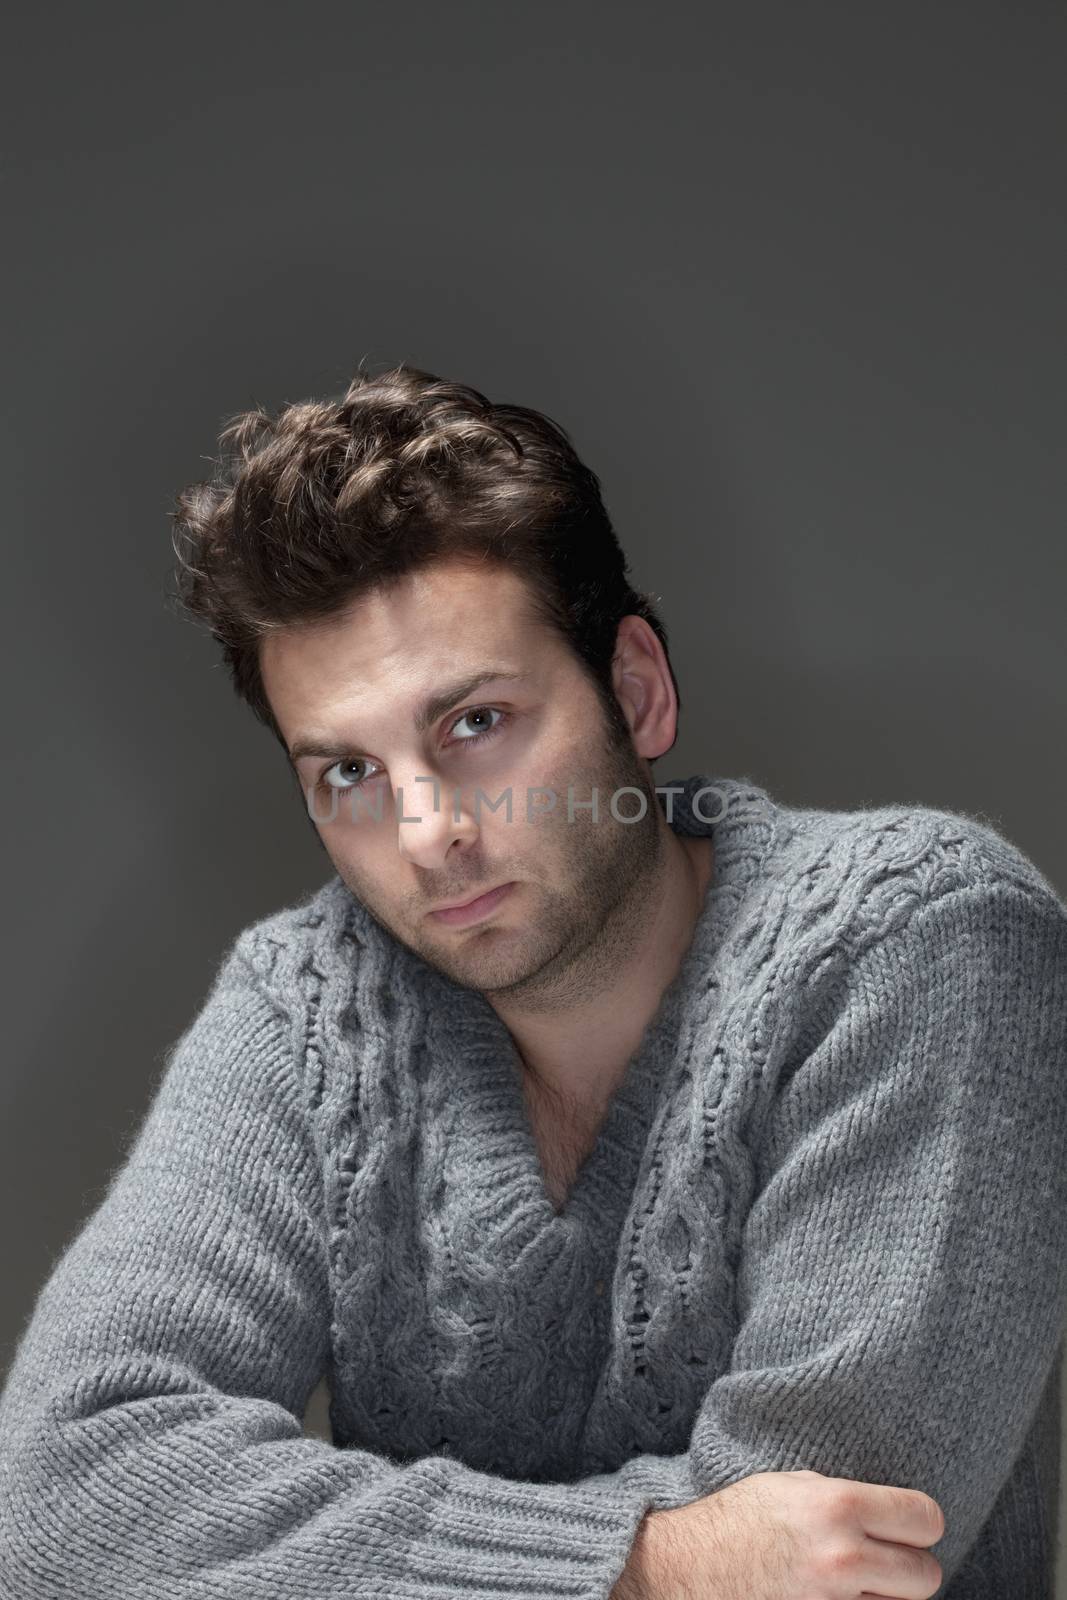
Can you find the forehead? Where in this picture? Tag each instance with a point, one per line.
(398, 642)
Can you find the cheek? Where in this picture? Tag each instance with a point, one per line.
(572, 764)
(556, 758)
(364, 852)
(541, 746)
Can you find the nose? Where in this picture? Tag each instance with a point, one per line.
(431, 817)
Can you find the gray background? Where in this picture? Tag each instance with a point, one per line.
(792, 277)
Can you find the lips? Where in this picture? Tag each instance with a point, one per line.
(473, 910)
(460, 905)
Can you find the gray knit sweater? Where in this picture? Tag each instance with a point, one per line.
(824, 1226)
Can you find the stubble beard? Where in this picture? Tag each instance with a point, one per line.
(574, 942)
(584, 929)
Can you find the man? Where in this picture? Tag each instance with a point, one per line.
(612, 1146)
(588, 916)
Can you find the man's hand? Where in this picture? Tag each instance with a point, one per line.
(788, 1536)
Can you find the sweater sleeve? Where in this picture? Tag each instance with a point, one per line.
(903, 1280)
(152, 1417)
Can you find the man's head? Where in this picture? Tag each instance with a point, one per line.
(357, 560)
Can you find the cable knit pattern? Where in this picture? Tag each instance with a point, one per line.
(824, 1225)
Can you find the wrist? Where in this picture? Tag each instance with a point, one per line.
(637, 1581)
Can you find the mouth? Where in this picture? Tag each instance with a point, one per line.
(472, 910)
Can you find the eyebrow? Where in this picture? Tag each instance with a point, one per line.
(322, 744)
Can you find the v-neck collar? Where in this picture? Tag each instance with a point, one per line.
(498, 1208)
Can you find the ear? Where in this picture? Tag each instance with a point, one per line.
(644, 688)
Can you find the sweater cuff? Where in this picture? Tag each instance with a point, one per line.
(511, 1538)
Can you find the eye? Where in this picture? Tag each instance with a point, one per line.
(479, 733)
(475, 713)
(349, 761)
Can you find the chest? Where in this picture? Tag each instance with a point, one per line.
(564, 1136)
(539, 1285)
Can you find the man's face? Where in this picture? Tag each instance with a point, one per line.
(355, 688)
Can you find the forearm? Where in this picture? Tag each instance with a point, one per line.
(631, 1580)
(663, 1552)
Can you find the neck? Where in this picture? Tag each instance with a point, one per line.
(577, 1056)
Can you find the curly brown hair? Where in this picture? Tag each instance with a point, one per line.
(330, 498)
